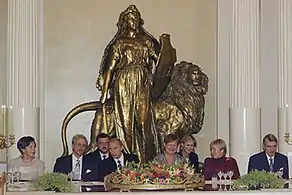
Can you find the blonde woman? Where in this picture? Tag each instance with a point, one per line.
(219, 162)
(188, 145)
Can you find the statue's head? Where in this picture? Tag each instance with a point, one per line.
(130, 19)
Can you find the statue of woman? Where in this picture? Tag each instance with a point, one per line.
(126, 74)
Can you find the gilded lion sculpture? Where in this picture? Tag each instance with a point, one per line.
(179, 110)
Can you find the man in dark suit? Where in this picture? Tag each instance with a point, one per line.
(76, 163)
(102, 151)
(269, 159)
(117, 159)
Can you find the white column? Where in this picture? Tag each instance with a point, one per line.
(24, 69)
(268, 68)
(244, 81)
(284, 72)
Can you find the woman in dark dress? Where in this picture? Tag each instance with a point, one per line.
(188, 145)
(219, 162)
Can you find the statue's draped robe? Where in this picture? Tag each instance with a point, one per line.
(132, 104)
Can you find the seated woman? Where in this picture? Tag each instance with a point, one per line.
(170, 147)
(188, 144)
(219, 161)
(27, 164)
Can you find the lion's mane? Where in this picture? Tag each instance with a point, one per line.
(188, 95)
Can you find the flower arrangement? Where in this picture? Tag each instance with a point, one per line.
(155, 174)
(57, 182)
(256, 180)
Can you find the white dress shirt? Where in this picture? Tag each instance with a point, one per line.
(121, 159)
(102, 155)
(270, 157)
(74, 162)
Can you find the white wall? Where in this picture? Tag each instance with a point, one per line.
(76, 32)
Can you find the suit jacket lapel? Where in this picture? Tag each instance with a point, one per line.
(265, 161)
(98, 155)
(114, 162)
(276, 163)
(70, 163)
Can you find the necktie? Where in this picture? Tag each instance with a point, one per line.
(119, 164)
(77, 170)
(271, 165)
(104, 157)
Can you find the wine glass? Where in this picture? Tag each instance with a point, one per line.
(220, 175)
(225, 181)
(12, 177)
(17, 176)
(9, 178)
(71, 175)
(230, 174)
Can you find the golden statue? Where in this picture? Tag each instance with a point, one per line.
(143, 107)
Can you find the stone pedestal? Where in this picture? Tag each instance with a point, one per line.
(245, 136)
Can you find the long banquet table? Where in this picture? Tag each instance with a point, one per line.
(266, 192)
(90, 188)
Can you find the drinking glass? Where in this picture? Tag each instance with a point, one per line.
(17, 176)
(12, 177)
(71, 175)
(9, 176)
(230, 174)
(214, 182)
(225, 181)
(220, 175)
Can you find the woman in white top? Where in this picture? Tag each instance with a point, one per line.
(27, 164)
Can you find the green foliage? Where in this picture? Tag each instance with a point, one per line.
(53, 182)
(256, 180)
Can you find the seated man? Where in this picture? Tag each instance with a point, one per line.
(269, 159)
(76, 163)
(102, 151)
(117, 158)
